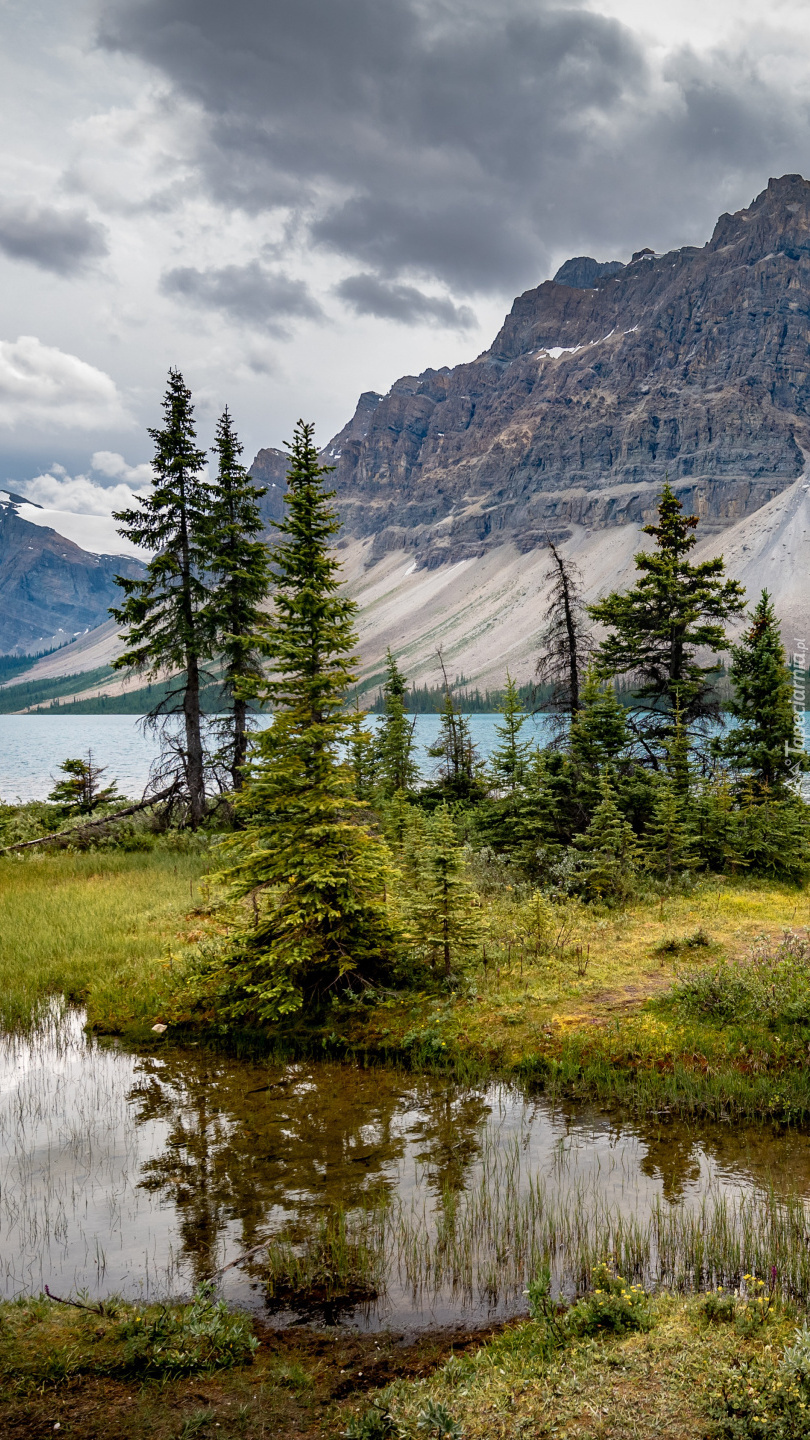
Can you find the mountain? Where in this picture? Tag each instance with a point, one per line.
(692, 364)
(601, 383)
(50, 589)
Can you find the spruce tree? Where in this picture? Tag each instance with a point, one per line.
(658, 628)
(443, 916)
(81, 791)
(459, 765)
(314, 874)
(669, 840)
(599, 734)
(239, 564)
(396, 767)
(609, 849)
(361, 752)
(165, 614)
(761, 746)
(509, 759)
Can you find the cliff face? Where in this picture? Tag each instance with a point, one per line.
(692, 365)
(50, 589)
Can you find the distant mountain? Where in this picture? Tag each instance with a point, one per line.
(50, 589)
(693, 365)
(602, 382)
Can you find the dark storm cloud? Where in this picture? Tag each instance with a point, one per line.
(368, 295)
(62, 241)
(248, 293)
(459, 140)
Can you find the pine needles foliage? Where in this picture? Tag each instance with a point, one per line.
(609, 851)
(658, 628)
(442, 916)
(761, 745)
(238, 562)
(314, 875)
(395, 764)
(510, 757)
(165, 614)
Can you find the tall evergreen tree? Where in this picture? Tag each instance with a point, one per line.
(239, 564)
(510, 756)
(565, 639)
(762, 743)
(314, 873)
(658, 628)
(397, 768)
(165, 614)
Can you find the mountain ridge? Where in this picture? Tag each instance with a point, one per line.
(689, 365)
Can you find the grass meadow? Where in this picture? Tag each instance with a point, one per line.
(84, 926)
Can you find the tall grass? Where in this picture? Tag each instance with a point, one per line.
(484, 1245)
(72, 924)
(481, 1247)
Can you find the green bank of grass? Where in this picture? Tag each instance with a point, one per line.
(695, 1368)
(84, 925)
(672, 1366)
(590, 1017)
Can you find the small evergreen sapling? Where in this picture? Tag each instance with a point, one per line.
(459, 766)
(443, 917)
(510, 757)
(609, 850)
(81, 791)
(396, 767)
(361, 753)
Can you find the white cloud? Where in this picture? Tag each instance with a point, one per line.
(78, 494)
(109, 462)
(77, 507)
(40, 385)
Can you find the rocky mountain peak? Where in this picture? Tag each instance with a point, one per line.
(583, 272)
(689, 365)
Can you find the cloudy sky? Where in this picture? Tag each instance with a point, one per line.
(297, 200)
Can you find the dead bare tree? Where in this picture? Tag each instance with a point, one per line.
(565, 640)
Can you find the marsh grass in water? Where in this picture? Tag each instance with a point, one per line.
(338, 1266)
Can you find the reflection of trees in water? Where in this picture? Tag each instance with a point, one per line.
(672, 1154)
(448, 1135)
(257, 1146)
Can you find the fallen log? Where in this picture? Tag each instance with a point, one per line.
(79, 830)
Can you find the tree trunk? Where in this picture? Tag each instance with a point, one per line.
(239, 742)
(195, 775)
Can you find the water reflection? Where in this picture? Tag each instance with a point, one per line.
(145, 1174)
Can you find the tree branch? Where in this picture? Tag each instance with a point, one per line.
(79, 830)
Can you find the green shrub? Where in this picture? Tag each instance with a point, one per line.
(205, 1335)
(612, 1306)
(765, 1399)
(718, 1308)
(436, 1421)
(376, 1423)
(769, 985)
